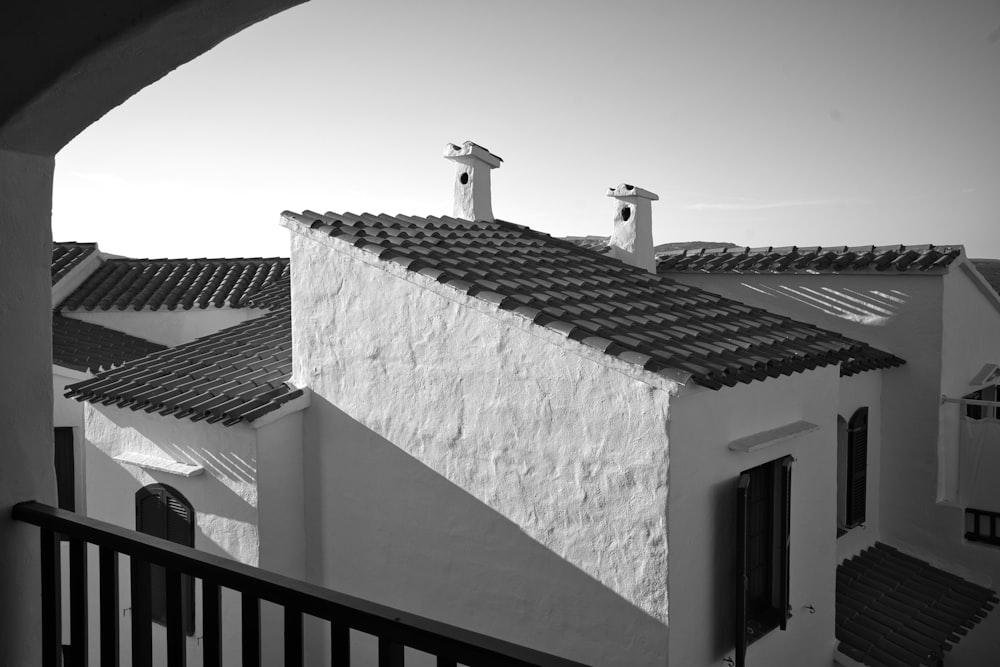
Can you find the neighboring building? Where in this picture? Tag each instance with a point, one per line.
(930, 305)
(547, 429)
(205, 487)
(508, 432)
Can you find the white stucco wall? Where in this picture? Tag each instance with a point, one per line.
(970, 339)
(702, 516)
(225, 499)
(25, 391)
(946, 329)
(475, 469)
(860, 391)
(281, 502)
(69, 413)
(168, 327)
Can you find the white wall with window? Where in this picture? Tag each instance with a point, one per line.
(778, 437)
(859, 462)
(203, 485)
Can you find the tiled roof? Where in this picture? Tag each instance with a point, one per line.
(897, 610)
(234, 375)
(990, 270)
(621, 310)
(67, 255)
(83, 346)
(840, 259)
(278, 295)
(154, 284)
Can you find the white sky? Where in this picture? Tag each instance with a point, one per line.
(768, 122)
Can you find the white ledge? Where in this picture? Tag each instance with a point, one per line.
(161, 465)
(752, 443)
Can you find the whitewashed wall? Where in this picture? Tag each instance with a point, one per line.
(474, 468)
(860, 391)
(69, 413)
(946, 328)
(702, 516)
(25, 390)
(168, 327)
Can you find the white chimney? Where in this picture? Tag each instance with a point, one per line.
(632, 239)
(472, 180)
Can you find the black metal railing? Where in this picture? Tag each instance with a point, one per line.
(394, 629)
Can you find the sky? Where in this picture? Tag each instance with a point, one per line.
(761, 123)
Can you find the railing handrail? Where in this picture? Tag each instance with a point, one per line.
(406, 628)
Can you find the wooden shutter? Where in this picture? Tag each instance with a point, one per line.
(163, 512)
(151, 520)
(857, 467)
(180, 529)
(742, 576)
(65, 486)
(785, 542)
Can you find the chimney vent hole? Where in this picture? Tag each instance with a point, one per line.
(626, 213)
(464, 178)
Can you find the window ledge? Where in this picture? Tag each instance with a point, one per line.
(160, 465)
(757, 441)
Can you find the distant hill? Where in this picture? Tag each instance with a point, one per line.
(990, 268)
(599, 242)
(693, 245)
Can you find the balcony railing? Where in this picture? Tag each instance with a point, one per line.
(394, 629)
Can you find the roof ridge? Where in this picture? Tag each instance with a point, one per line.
(564, 287)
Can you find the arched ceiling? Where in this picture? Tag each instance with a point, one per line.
(65, 63)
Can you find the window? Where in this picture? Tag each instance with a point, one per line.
(983, 411)
(857, 469)
(65, 486)
(763, 510)
(162, 511)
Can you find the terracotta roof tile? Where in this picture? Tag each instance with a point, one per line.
(894, 609)
(237, 374)
(84, 346)
(154, 284)
(647, 320)
(910, 260)
(277, 295)
(67, 255)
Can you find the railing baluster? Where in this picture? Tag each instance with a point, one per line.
(108, 560)
(390, 654)
(251, 630)
(78, 602)
(394, 628)
(293, 637)
(142, 623)
(51, 600)
(211, 624)
(176, 649)
(340, 644)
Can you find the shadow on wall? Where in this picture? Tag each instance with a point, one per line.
(111, 496)
(870, 308)
(223, 496)
(394, 531)
(722, 517)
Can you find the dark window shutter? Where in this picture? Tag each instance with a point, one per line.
(857, 467)
(786, 543)
(162, 511)
(65, 480)
(742, 576)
